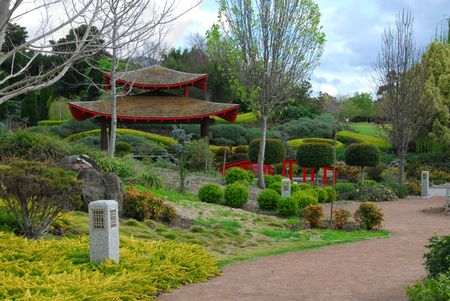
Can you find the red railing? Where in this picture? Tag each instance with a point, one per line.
(245, 164)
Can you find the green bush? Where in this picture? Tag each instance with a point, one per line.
(400, 190)
(321, 126)
(276, 186)
(50, 122)
(305, 198)
(241, 149)
(275, 151)
(199, 156)
(122, 148)
(345, 191)
(362, 154)
(314, 214)
(142, 205)
(374, 172)
(430, 289)
(348, 137)
(33, 147)
(228, 134)
(305, 186)
(72, 126)
(314, 155)
(375, 193)
(332, 194)
(147, 178)
(390, 175)
(414, 187)
(287, 206)
(119, 166)
(210, 193)
(295, 143)
(236, 195)
(437, 259)
(271, 179)
(268, 199)
(369, 216)
(322, 194)
(36, 195)
(236, 174)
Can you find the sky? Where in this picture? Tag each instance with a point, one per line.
(353, 30)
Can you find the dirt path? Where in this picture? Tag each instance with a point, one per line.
(376, 269)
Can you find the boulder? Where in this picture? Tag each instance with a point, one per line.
(96, 185)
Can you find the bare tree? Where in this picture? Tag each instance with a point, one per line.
(400, 78)
(19, 80)
(133, 33)
(274, 44)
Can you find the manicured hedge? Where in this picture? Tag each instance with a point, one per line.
(244, 118)
(348, 137)
(59, 269)
(314, 154)
(275, 151)
(51, 122)
(362, 154)
(167, 141)
(295, 143)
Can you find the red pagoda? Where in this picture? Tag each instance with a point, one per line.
(157, 105)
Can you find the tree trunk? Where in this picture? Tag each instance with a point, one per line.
(112, 132)
(362, 174)
(262, 151)
(4, 12)
(401, 167)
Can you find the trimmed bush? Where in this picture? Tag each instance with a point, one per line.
(437, 259)
(295, 143)
(314, 155)
(210, 193)
(332, 195)
(123, 148)
(199, 156)
(369, 216)
(414, 187)
(362, 155)
(304, 186)
(228, 134)
(348, 137)
(430, 289)
(30, 146)
(36, 195)
(314, 214)
(287, 206)
(340, 218)
(345, 191)
(400, 190)
(305, 198)
(50, 122)
(321, 126)
(275, 151)
(268, 199)
(236, 174)
(322, 195)
(390, 175)
(273, 179)
(142, 205)
(236, 195)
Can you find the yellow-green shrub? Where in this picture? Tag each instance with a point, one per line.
(60, 269)
(295, 143)
(167, 141)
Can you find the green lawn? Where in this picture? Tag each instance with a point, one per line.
(370, 129)
(232, 235)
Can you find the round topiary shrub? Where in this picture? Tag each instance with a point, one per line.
(369, 216)
(322, 195)
(210, 193)
(332, 194)
(123, 148)
(275, 151)
(314, 155)
(362, 155)
(305, 198)
(236, 174)
(268, 199)
(287, 206)
(235, 195)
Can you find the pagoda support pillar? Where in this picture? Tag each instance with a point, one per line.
(104, 135)
(204, 126)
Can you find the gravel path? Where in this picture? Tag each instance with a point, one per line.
(377, 269)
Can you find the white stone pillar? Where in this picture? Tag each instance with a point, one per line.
(104, 231)
(285, 187)
(425, 193)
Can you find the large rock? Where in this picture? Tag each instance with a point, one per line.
(96, 185)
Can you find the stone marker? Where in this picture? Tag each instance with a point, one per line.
(104, 231)
(285, 187)
(425, 184)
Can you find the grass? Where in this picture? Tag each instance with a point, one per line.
(244, 119)
(369, 129)
(232, 235)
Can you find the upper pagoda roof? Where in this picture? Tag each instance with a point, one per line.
(157, 77)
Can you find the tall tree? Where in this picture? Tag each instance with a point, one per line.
(23, 79)
(360, 105)
(271, 46)
(401, 79)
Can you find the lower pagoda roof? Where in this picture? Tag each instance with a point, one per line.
(155, 109)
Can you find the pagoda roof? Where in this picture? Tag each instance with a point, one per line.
(155, 109)
(158, 77)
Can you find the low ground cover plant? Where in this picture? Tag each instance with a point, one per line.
(210, 193)
(49, 269)
(375, 192)
(369, 216)
(236, 195)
